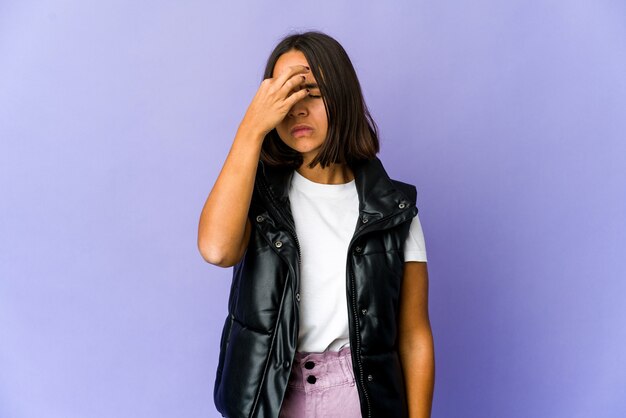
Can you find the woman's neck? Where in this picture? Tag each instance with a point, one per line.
(333, 174)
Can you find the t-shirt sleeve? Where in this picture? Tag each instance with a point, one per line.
(415, 247)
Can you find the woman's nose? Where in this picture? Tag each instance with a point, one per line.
(298, 109)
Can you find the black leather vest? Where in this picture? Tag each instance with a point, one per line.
(260, 334)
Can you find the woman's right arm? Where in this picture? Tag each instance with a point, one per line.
(224, 228)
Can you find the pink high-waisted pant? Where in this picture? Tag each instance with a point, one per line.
(321, 385)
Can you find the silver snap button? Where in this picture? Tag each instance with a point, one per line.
(363, 311)
(402, 205)
(260, 218)
(298, 297)
(370, 377)
(278, 244)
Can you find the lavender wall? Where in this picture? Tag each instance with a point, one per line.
(115, 117)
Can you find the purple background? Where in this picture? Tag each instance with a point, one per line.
(115, 118)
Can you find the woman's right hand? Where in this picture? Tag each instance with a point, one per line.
(224, 229)
(274, 99)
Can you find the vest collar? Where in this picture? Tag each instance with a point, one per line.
(378, 196)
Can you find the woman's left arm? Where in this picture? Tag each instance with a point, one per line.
(415, 344)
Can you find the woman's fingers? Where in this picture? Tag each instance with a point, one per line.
(293, 84)
(288, 74)
(295, 97)
(275, 97)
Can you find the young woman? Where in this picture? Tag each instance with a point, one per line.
(328, 309)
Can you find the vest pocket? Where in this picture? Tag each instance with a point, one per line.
(243, 358)
(223, 346)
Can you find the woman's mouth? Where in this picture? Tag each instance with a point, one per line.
(301, 130)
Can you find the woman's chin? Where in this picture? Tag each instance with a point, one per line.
(308, 152)
(304, 147)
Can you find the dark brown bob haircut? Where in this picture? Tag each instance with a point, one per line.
(352, 133)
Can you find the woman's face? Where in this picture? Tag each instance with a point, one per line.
(308, 113)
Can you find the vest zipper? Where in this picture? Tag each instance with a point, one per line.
(355, 310)
(358, 343)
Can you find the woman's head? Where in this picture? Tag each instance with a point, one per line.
(343, 130)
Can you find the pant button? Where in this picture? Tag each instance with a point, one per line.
(309, 365)
(311, 379)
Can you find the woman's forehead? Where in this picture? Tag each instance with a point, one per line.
(288, 59)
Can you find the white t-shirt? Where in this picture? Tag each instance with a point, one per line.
(325, 217)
